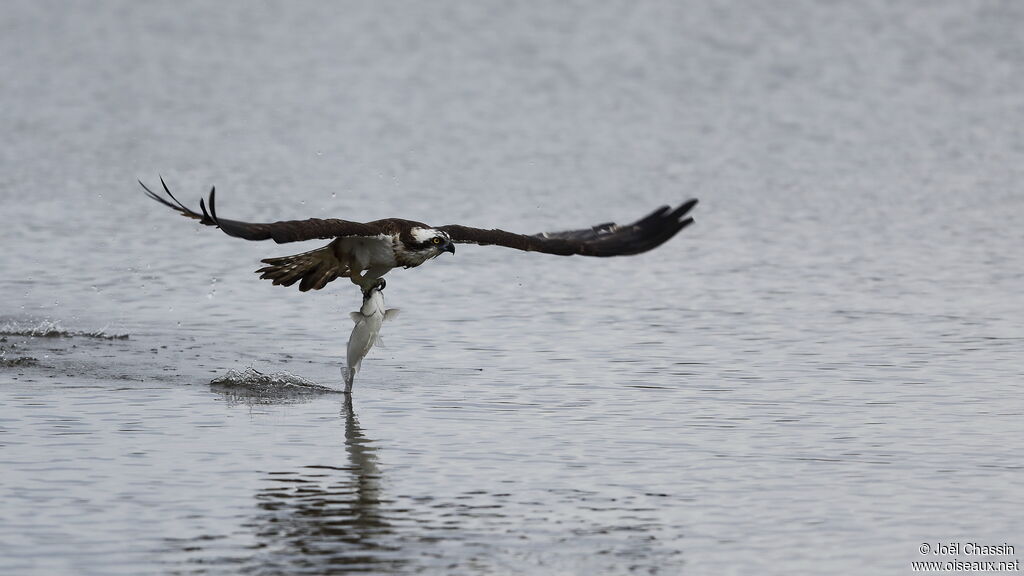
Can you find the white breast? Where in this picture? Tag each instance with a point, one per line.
(364, 252)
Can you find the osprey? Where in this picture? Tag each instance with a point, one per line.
(366, 251)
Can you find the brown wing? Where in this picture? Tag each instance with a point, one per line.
(280, 232)
(608, 239)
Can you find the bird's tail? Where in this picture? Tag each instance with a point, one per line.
(315, 269)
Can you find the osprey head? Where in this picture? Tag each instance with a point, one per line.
(426, 243)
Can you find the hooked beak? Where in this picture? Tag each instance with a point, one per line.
(450, 247)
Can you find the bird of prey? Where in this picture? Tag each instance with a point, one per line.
(366, 251)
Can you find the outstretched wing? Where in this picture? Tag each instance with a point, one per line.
(280, 232)
(608, 239)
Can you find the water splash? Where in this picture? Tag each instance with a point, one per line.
(253, 382)
(51, 329)
(16, 362)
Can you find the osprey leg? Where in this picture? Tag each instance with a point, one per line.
(368, 279)
(358, 279)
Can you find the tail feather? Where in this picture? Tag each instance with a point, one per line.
(314, 269)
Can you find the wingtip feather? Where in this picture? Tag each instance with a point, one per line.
(213, 200)
(206, 215)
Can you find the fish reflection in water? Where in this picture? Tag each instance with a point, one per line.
(316, 519)
(332, 517)
(323, 516)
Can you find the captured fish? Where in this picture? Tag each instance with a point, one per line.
(367, 329)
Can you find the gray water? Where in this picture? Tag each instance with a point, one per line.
(817, 377)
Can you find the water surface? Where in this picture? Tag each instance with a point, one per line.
(818, 376)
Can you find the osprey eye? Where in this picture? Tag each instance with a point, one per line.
(436, 240)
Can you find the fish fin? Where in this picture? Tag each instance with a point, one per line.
(379, 342)
(355, 316)
(391, 314)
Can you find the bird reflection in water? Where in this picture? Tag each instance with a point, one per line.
(328, 518)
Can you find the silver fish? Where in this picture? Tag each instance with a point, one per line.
(366, 332)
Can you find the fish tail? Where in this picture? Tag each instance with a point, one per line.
(349, 374)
